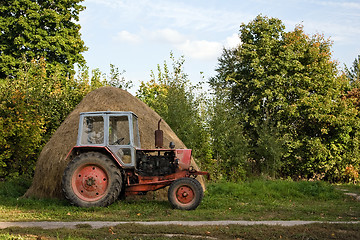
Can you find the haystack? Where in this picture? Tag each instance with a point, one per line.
(51, 162)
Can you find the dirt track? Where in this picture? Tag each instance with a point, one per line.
(100, 224)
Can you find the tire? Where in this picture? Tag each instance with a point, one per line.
(92, 180)
(185, 193)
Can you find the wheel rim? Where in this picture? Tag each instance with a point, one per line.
(90, 182)
(185, 194)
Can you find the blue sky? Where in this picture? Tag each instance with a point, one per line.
(136, 35)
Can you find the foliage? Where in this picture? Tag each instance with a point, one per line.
(39, 45)
(288, 96)
(40, 29)
(35, 103)
(32, 106)
(173, 97)
(21, 127)
(98, 79)
(228, 143)
(116, 79)
(354, 72)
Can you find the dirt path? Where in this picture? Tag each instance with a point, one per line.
(100, 224)
(353, 195)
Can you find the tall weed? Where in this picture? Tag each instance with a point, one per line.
(14, 187)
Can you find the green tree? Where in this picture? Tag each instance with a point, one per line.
(288, 95)
(354, 72)
(173, 97)
(228, 142)
(40, 29)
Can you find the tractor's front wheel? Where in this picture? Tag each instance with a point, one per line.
(185, 193)
(92, 180)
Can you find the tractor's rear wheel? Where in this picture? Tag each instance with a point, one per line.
(92, 180)
(185, 194)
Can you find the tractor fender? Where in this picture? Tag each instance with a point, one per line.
(76, 150)
(184, 158)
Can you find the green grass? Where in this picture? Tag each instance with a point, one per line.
(253, 200)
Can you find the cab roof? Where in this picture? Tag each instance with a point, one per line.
(109, 113)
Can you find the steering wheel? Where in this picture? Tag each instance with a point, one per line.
(119, 141)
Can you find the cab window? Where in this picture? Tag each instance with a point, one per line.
(119, 130)
(92, 130)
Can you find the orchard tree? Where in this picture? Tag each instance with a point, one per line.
(37, 29)
(288, 95)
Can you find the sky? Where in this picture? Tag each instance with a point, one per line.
(137, 35)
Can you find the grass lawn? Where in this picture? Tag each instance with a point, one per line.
(252, 200)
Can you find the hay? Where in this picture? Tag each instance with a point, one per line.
(51, 162)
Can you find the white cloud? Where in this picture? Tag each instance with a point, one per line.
(196, 49)
(205, 19)
(125, 36)
(167, 35)
(204, 50)
(176, 14)
(232, 41)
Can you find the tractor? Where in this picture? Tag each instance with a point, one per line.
(108, 163)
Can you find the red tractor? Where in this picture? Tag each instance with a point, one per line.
(108, 161)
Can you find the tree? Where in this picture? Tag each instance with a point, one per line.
(40, 29)
(288, 95)
(246, 73)
(354, 72)
(228, 142)
(172, 96)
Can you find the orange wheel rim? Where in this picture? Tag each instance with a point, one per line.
(90, 182)
(185, 194)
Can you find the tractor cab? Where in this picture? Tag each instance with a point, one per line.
(117, 131)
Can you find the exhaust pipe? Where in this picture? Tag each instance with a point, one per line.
(159, 137)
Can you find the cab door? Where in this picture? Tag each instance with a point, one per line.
(121, 141)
